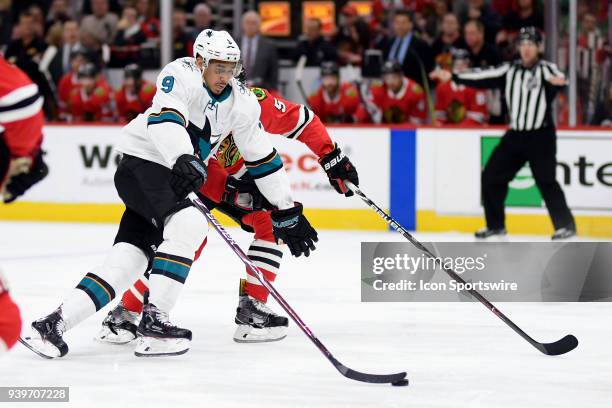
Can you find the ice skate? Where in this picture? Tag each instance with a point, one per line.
(257, 323)
(119, 326)
(159, 337)
(45, 338)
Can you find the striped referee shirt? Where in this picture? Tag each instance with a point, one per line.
(528, 91)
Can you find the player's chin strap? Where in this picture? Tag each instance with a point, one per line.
(345, 371)
(562, 346)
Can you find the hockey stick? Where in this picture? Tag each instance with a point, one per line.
(562, 346)
(345, 371)
(299, 70)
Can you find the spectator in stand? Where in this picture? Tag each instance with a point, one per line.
(70, 80)
(28, 47)
(126, 48)
(136, 94)
(38, 19)
(335, 101)
(259, 54)
(413, 54)
(481, 11)
(316, 48)
(459, 104)
(527, 14)
(433, 18)
(149, 23)
(449, 38)
(482, 54)
(6, 21)
(202, 19)
(353, 37)
(70, 43)
(101, 26)
(51, 61)
(590, 44)
(26, 52)
(90, 102)
(398, 100)
(58, 13)
(181, 40)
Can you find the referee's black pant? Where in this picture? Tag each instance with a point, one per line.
(539, 148)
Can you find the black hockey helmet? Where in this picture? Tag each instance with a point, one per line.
(530, 34)
(87, 70)
(132, 71)
(392, 67)
(79, 53)
(329, 68)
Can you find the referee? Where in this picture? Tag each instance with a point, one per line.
(529, 85)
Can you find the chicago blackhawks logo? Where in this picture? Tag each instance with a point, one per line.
(259, 93)
(228, 153)
(394, 114)
(455, 112)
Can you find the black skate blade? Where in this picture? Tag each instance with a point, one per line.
(22, 341)
(369, 378)
(177, 353)
(565, 345)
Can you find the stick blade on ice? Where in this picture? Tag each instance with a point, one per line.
(565, 345)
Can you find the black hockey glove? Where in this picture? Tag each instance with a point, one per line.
(244, 194)
(188, 174)
(291, 227)
(20, 183)
(339, 168)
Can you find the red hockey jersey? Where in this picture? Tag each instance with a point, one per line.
(129, 105)
(458, 104)
(21, 116)
(341, 109)
(278, 116)
(94, 107)
(66, 85)
(406, 106)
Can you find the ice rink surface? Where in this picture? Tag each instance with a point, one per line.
(456, 354)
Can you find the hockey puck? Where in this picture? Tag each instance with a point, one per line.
(400, 383)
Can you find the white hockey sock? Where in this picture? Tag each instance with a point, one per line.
(167, 279)
(183, 234)
(123, 264)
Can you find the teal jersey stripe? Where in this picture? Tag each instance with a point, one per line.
(204, 148)
(172, 267)
(266, 168)
(96, 289)
(167, 116)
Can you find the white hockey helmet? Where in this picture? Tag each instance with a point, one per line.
(217, 45)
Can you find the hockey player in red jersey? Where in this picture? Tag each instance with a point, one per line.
(70, 81)
(397, 100)
(21, 122)
(90, 101)
(233, 193)
(10, 320)
(335, 101)
(136, 94)
(459, 104)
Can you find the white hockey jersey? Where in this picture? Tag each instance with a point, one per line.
(186, 118)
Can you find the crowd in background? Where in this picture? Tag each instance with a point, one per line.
(67, 46)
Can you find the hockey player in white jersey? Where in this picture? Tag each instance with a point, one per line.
(197, 104)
